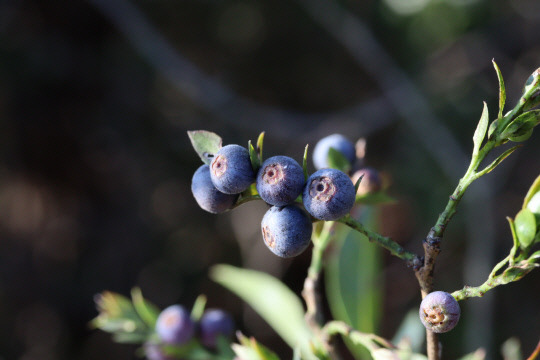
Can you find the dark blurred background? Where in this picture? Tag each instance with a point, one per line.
(95, 164)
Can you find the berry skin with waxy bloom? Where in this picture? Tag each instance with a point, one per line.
(439, 312)
(339, 143)
(371, 182)
(215, 323)
(280, 180)
(328, 194)
(207, 196)
(286, 230)
(174, 325)
(231, 169)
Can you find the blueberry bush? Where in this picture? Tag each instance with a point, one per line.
(305, 209)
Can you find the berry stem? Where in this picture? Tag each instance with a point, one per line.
(384, 241)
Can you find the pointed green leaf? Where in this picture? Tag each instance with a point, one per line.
(146, 310)
(533, 190)
(260, 141)
(498, 160)
(250, 349)
(492, 128)
(525, 223)
(270, 298)
(205, 143)
(198, 307)
(304, 162)
(357, 185)
(480, 132)
(502, 91)
(254, 157)
(336, 160)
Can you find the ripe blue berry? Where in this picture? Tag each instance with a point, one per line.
(280, 180)
(207, 196)
(329, 194)
(215, 323)
(174, 325)
(439, 312)
(231, 169)
(286, 230)
(339, 143)
(371, 182)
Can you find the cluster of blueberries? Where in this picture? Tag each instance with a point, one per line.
(174, 326)
(328, 194)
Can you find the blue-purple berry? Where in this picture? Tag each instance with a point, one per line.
(339, 143)
(371, 181)
(155, 352)
(174, 325)
(280, 180)
(231, 169)
(207, 196)
(286, 230)
(213, 324)
(329, 194)
(439, 312)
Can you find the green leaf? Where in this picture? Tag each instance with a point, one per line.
(304, 163)
(525, 223)
(502, 91)
(492, 128)
(533, 190)
(522, 125)
(498, 160)
(260, 141)
(198, 307)
(376, 198)
(130, 338)
(352, 270)
(357, 184)
(271, 299)
(336, 160)
(250, 349)
(147, 311)
(205, 143)
(254, 157)
(481, 128)
(479, 354)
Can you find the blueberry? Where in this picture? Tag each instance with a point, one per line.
(208, 197)
(371, 182)
(280, 180)
(329, 194)
(174, 325)
(439, 312)
(215, 323)
(286, 230)
(155, 352)
(231, 169)
(339, 143)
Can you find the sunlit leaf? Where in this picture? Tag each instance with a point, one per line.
(198, 307)
(502, 90)
(270, 298)
(525, 223)
(304, 163)
(481, 128)
(336, 160)
(533, 190)
(250, 349)
(205, 143)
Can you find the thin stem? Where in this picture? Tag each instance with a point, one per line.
(386, 242)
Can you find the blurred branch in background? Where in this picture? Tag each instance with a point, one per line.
(215, 98)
